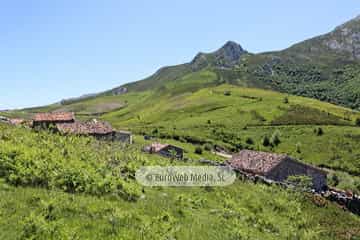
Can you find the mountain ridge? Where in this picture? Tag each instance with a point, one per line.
(325, 67)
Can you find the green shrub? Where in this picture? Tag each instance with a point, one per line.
(69, 163)
(227, 93)
(357, 122)
(298, 147)
(275, 138)
(319, 131)
(286, 100)
(266, 141)
(249, 140)
(208, 147)
(333, 180)
(198, 150)
(301, 181)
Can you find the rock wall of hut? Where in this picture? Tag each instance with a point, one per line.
(289, 167)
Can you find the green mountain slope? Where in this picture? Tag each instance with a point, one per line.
(228, 116)
(324, 67)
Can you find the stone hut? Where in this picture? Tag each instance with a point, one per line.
(277, 167)
(123, 136)
(45, 120)
(17, 121)
(165, 150)
(99, 129)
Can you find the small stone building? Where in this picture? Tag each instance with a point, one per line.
(165, 150)
(99, 129)
(123, 136)
(277, 167)
(45, 120)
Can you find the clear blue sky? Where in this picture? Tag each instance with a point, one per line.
(51, 50)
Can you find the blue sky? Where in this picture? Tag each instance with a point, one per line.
(50, 50)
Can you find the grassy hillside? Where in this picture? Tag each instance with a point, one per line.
(236, 118)
(55, 187)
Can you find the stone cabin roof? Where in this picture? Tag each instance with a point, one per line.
(260, 162)
(85, 128)
(156, 147)
(256, 162)
(17, 121)
(124, 132)
(54, 117)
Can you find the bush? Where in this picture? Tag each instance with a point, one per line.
(319, 131)
(286, 100)
(249, 140)
(298, 147)
(275, 138)
(334, 180)
(301, 181)
(198, 150)
(357, 122)
(69, 163)
(155, 131)
(208, 147)
(266, 141)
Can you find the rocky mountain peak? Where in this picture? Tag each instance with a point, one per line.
(345, 38)
(229, 54)
(226, 56)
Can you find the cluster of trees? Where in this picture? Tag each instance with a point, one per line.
(339, 86)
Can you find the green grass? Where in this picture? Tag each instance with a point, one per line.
(56, 187)
(210, 116)
(243, 210)
(188, 115)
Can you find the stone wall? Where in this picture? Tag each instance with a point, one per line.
(122, 137)
(167, 152)
(289, 167)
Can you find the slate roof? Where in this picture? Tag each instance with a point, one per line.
(124, 132)
(54, 117)
(16, 121)
(156, 147)
(85, 128)
(256, 162)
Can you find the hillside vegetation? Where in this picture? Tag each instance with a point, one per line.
(55, 187)
(235, 118)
